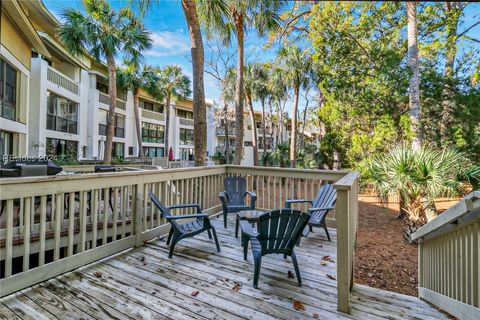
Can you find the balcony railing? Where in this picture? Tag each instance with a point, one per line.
(153, 115)
(56, 224)
(186, 122)
(220, 131)
(61, 80)
(105, 99)
(448, 264)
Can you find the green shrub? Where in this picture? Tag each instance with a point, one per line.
(419, 176)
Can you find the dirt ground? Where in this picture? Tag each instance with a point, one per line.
(383, 258)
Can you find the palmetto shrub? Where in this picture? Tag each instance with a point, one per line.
(417, 177)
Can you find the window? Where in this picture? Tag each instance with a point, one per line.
(152, 152)
(150, 106)
(186, 154)
(119, 124)
(184, 114)
(186, 136)
(130, 151)
(8, 91)
(102, 88)
(269, 143)
(153, 132)
(118, 150)
(61, 114)
(6, 144)
(64, 149)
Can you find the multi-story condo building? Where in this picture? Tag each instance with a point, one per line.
(273, 137)
(54, 103)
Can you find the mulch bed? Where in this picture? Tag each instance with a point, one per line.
(383, 258)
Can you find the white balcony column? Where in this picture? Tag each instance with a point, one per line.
(83, 114)
(38, 108)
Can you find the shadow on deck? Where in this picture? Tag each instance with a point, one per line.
(200, 283)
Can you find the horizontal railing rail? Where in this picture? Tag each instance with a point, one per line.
(52, 225)
(61, 80)
(448, 266)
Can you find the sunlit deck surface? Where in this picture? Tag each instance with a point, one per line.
(198, 283)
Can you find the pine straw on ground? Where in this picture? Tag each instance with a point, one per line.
(383, 258)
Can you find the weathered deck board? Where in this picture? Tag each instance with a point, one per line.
(145, 284)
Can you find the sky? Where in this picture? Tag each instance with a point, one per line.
(171, 44)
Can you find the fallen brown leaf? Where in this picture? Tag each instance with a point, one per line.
(327, 258)
(316, 316)
(195, 293)
(297, 305)
(331, 276)
(236, 287)
(290, 274)
(98, 274)
(323, 263)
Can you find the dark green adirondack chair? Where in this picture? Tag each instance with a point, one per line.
(233, 198)
(278, 232)
(321, 205)
(179, 231)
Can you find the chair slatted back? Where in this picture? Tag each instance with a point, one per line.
(326, 197)
(165, 212)
(235, 188)
(279, 230)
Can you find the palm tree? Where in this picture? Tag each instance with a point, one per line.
(261, 93)
(105, 34)
(173, 83)
(196, 42)
(228, 17)
(296, 65)
(134, 78)
(255, 89)
(278, 93)
(249, 87)
(228, 95)
(414, 86)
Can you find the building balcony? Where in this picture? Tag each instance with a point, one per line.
(153, 115)
(105, 99)
(59, 79)
(88, 218)
(185, 122)
(220, 131)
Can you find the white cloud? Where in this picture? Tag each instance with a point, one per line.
(167, 43)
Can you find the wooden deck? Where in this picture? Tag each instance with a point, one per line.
(199, 283)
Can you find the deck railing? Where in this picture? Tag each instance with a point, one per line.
(449, 266)
(61, 80)
(52, 225)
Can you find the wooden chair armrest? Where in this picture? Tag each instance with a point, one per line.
(247, 229)
(188, 216)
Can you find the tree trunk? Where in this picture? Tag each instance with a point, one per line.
(112, 89)
(239, 91)
(137, 124)
(293, 139)
(167, 124)
(254, 131)
(302, 137)
(453, 17)
(264, 133)
(199, 109)
(227, 138)
(414, 86)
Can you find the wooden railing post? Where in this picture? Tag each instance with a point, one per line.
(343, 263)
(139, 213)
(346, 213)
